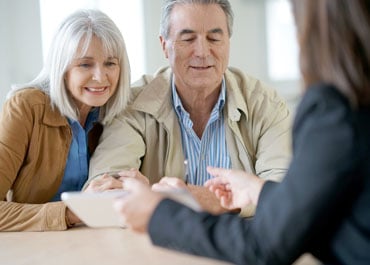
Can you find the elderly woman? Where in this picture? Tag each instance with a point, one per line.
(51, 126)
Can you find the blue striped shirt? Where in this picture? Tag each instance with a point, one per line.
(212, 148)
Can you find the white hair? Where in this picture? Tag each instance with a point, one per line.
(168, 6)
(79, 28)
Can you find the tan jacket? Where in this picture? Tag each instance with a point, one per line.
(148, 135)
(34, 144)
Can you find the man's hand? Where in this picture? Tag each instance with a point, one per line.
(169, 183)
(207, 200)
(115, 181)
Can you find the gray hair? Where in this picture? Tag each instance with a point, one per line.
(168, 6)
(82, 25)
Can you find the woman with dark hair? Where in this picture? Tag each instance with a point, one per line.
(322, 206)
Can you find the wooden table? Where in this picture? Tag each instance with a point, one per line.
(104, 246)
(83, 245)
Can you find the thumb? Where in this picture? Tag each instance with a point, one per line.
(217, 171)
(132, 184)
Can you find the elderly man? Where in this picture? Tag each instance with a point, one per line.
(198, 110)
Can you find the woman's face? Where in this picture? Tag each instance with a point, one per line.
(92, 78)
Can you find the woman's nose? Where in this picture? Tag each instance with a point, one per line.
(99, 74)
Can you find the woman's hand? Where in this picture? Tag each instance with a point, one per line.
(71, 218)
(234, 188)
(137, 206)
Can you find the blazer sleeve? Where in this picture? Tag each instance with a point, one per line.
(302, 209)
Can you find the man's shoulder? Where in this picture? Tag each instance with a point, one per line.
(250, 94)
(163, 74)
(242, 79)
(248, 85)
(151, 93)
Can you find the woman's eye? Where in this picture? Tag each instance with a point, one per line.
(111, 63)
(84, 65)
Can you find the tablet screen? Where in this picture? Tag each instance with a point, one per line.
(95, 209)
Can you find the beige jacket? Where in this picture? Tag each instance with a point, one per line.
(148, 135)
(34, 144)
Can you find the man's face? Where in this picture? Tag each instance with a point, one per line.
(197, 46)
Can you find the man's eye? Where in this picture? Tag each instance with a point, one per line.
(213, 39)
(188, 39)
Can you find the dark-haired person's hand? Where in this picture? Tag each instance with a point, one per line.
(234, 188)
(137, 206)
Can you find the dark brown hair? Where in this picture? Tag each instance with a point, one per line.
(334, 39)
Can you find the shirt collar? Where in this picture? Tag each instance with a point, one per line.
(92, 117)
(177, 104)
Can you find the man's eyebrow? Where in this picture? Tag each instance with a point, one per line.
(212, 31)
(216, 30)
(186, 31)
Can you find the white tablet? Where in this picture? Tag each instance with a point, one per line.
(95, 209)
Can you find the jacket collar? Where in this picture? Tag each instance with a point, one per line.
(155, 97)
(236, 99)
(52, 116)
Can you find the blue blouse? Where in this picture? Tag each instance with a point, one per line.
(77, 166)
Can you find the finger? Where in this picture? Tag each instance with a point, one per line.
(140, 176)
(119, 205)
(98, 185)
(216, 181)
(213, 188)
(217, 171)
(133, 173)
(221, 193)
(127, 173)
(226, 202)
(176, 182)
(109, 184)
(132, 184)
(162, 187)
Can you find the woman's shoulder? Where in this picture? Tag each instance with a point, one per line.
(30, 97)
(31, 94)
(323, 93)
(323, 98)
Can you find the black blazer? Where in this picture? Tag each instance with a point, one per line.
(322, 206)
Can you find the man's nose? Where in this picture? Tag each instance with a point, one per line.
(202, 47)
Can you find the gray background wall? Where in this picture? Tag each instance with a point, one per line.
(21, 49)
